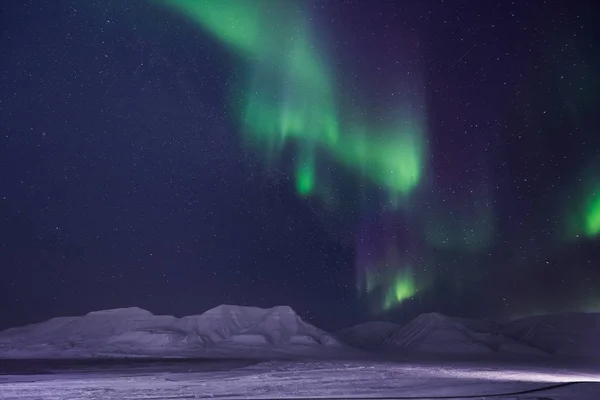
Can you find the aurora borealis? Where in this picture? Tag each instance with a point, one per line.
(586, 221)
(355, 160)
(592, 226)
(582, 198)
(290, 97)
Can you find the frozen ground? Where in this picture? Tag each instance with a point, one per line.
(308, 379)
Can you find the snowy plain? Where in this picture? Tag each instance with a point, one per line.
(305, 379)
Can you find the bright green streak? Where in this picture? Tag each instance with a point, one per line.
(390, 280)
(290, 97)
(393, 161)
(305, 180)
(403, 288)
(583, 215)
(592, 216)
(236, 23)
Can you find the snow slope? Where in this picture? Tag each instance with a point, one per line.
(571, 334)
(223, 330)
(369, 335)
(252, 325)
(574, 334)
(437, 333)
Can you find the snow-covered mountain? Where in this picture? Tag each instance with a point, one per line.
(236, 331)
(252, 325)
(437, 333)
(369, 335)
(570, 334)
(222, 331)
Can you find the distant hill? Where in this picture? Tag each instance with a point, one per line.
(369, 335)
(570, 334)
(237, 331)
(437, 333)
(222, 331)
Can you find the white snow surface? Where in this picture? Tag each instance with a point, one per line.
(222, 331)
(333, 379)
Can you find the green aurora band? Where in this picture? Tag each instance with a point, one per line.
(289, 97)
(392, 286)
(592, 215)
(583, 218)
(390, 280)
(402, 288)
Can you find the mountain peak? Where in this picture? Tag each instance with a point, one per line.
(235, 309)
(126, 311)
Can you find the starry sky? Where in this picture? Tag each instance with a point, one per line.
(355, 160)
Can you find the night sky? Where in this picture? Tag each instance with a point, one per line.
(355, 160)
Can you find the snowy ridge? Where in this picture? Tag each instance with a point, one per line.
(574, 334)
(236, 331)
(369, 335)
(430, 332)
(274, 326)
(137, 332)
(437, 333)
